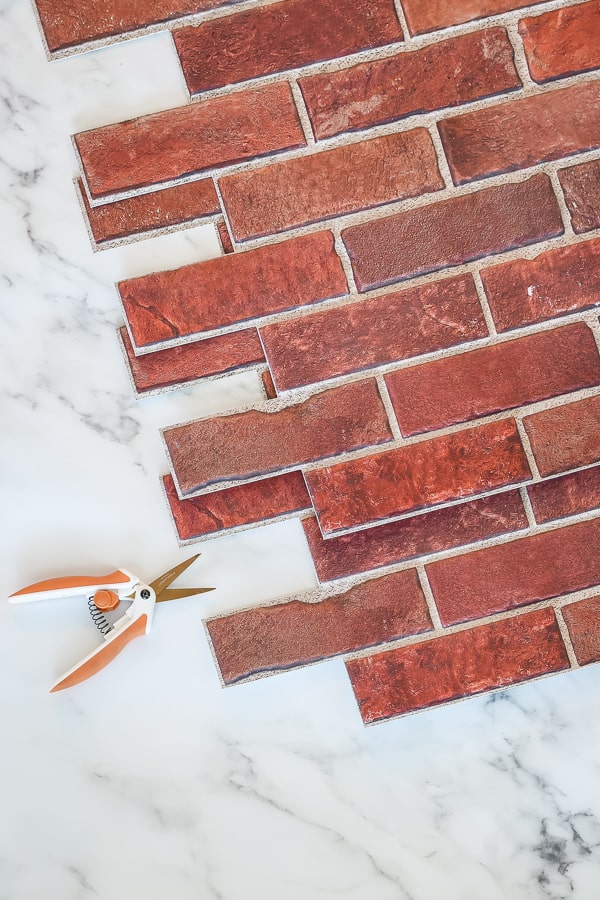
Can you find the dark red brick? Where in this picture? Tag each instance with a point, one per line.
(237, 507)
(447, 74)
(249, 445)
(555, 283)
(168, 145)
(562, 42)
(468, 662)
(292, 634)
(583, 623)
(524, 571)
(331, 183)
(566, 496)
(281, 36)
(269, 387)
(501, 377)
(431, 15)
(452, 232)
(394, 542)
(565, 437)
(378, 330)
(224, 237)
(406, 479)
(521, 133)
(581, 187)
(206, 297)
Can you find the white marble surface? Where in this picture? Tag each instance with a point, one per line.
(149, 780)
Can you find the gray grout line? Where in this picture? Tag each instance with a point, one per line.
(429, 598)
(442, 162)
(528, 507)
(527, 448)
(564, 632)
(302, 113)
(485, 306)
(519, 55)
(562, 204)
(234, 243)
(340, 249)
(389, 408)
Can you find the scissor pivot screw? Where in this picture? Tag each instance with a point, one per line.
(145, 594)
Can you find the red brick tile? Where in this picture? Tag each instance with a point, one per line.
(501, 377)
(224, 237)
(281, 36)
(566, 496)
(555, 283)
(583, 623)
(434, 14)
(581, 187)
(394, 542)
(452, 232)
(221, 293)
(247, 446)
(566, 437)
(521, 133)
(562, 42)
(377, 330)
(406, 479)
(457, 665)
(524, 571)
(331, 183)
(168, 145)
(269, 387)
(237, 507)
(192, 362)
(452, 72)
(292, 634)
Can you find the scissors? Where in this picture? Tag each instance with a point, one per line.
(105, 594)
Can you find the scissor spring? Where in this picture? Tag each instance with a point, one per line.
(98, 618)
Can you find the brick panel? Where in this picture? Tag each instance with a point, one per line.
(566, 437)
(562, 42)
(292, 634)
(583, 623)
(523, 571)
(452, 232)
(434, 14)
(468, 662)
(581, 187)
(566, 496)
(344, 180)
(406, 479)
(281, 36)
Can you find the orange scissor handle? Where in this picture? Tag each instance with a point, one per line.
(74, 584)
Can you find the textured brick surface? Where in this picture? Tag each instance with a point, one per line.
(168, 145)
(566, 496)
(426, 16)
(251, 444)
(287, 635)
(237, 507)
(521, 133)
(583, 623)
(446, 74)
(308, 349)
(344, 180)
(556, 282)
(223, 292)
(523, 571)
(406, 479)
(581, 187)
(442, 529)
(481, 382)
(562, 42)
(224, 237)
(459, 665)
(565, 437)
(452, 232)
(281, 36)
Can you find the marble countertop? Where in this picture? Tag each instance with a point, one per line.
(150, 780)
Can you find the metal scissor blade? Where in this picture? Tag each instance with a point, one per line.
(179, 593)
(163, 581)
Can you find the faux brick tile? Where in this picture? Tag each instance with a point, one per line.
(237, 507)
(524, 571)
(521, 133)
(427, 16)
(565, 437)
(308, 349)
(192, 362)
(406, 479)
(394, 542)
(566, 496)
(269, 387)
(291, 634)
(281, 36)
(581, 186)
(168, 145)
(224, 237)
(457, 665)
(452, 232)
(249, 445)
(443, 75)
(205, 297)
(562, 42)
(331, 183)
(501, 377)
(555, 283)
(583, 623)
